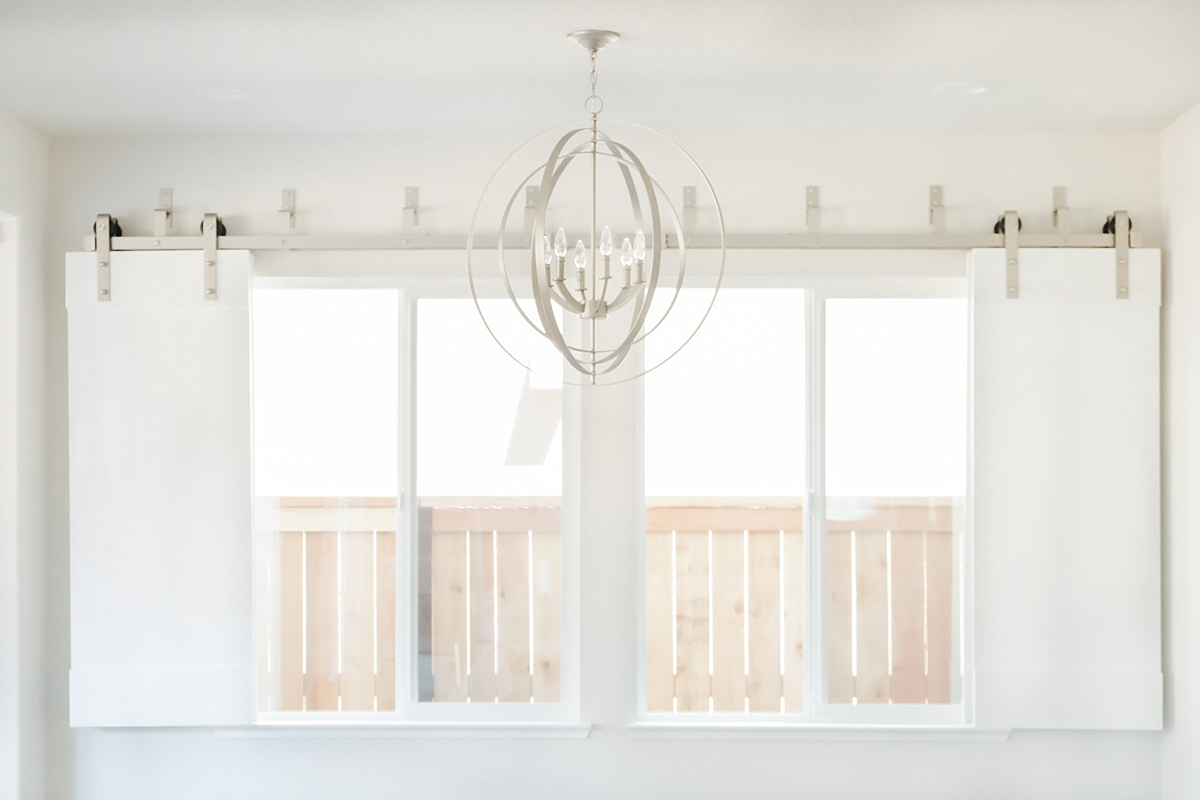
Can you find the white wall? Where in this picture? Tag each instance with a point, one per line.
(24, 162)
(869, 183)
(1181, 452)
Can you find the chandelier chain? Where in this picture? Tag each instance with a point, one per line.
(594, 103)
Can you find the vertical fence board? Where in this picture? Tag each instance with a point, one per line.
(838, 629)
(792, 581)
(764, 684)
(357, 680)
(939, 556)
(385, 620)
(513, 683)
(448, 606)
(482, 683)
(291, 620)
(871, 684)
(908, 617)
(692, 684)
(321, 639)
(728, 628)
(660, 667)
(547, 617)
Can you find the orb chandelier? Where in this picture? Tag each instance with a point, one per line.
(586, 172)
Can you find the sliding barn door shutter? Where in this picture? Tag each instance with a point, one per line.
(1066, 492)
(161, 622)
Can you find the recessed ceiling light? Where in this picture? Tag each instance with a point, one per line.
(226, 94)
(966, 88)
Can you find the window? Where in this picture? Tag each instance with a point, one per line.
(802, 545)
(365, 397)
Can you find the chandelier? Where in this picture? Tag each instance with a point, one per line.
(564, 286)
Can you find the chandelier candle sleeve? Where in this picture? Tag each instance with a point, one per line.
(580, 267)
(626, 262)
(606, 251)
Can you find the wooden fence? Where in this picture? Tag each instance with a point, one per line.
(725, 600)
(489, 632)
(890, 603)
(495, 604)
(725, 606)
(336, 595)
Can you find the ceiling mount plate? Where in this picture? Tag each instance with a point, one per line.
(593, 40)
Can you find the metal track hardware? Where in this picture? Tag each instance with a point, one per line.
(287, 212)
(1121, 243)
(689, 209)
(531, 198)
(208, 232)
(103, 257)
(1012, 264)
(937, 211)
(162, 214)
(1062, 213)
(412, 197)
(812, 208)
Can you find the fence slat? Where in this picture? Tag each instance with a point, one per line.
(692, 684)
(871, 683)
(291, 620)
(764, 684)
(939, 557)
(357, 680)
(728, 605)
(321, 603)
(547, 617)
(838, 625)
(482, 684)
(908, 617)
(448, 628)
(660, 668)
(513, 683)
(793, 621)
(385, 620)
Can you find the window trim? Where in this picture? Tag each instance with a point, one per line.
(819, 717)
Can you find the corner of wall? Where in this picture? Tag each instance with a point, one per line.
(24, 188)
(1180, 186)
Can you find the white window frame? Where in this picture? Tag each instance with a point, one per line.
(819, 715)
(434, 718)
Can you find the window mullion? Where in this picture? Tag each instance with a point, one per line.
(814, 534)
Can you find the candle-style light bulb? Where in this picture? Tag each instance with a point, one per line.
(560, 252)
(580, 265)
(605, 252)
(626, 259)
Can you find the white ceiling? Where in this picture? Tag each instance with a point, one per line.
(468, 66)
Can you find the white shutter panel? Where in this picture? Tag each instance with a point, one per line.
(161, 623)
(1066, 492)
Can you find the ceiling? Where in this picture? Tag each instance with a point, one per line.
(474, 66)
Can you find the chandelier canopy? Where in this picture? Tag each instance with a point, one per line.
(595, 313)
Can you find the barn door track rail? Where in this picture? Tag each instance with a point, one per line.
(107, 237)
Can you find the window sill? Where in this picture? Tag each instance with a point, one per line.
(408, 730)
(814, 732)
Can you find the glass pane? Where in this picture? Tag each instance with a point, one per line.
(725, 486)
(489, 481)
(895, 479)
(325, 465)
